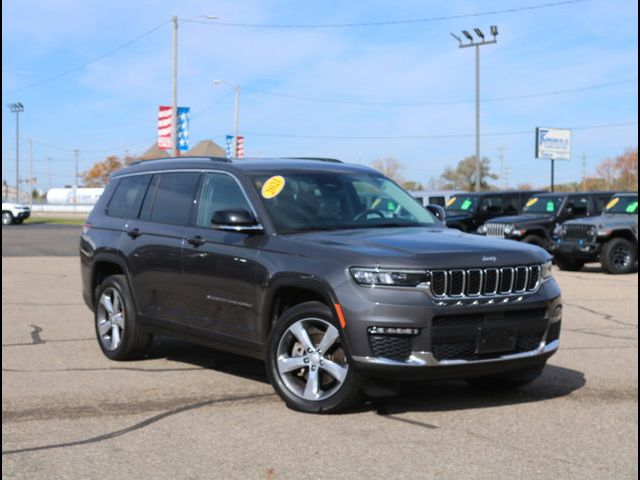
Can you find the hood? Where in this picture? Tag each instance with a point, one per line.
(457, 216)
(605, 220)
(525, 219)
(416, 247)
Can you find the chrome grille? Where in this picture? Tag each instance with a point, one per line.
(576, 232)
(478, 282)
(495, 229)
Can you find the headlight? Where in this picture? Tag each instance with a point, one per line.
(482, 229)
(557, 231)
(396, 278)
(508, 230)
(545, 271)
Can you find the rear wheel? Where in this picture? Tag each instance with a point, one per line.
(307, 361)
(618, 256)
(507, 381)
(119, 337)
(569, 264)
(7, 218)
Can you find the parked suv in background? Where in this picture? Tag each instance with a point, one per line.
(468, 211)
(14, 213)
(542, 213)
(611, 237)
(305, 264)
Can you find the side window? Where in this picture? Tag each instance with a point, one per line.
(219, 192)
(580, 206)
(511, 205)
(492, 205)
(127, 198)
(174, 198)
(437, 201)
(599, 203)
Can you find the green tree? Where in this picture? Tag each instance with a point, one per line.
(463, 176)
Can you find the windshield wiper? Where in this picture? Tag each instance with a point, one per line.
(390, 225)
(310, 229)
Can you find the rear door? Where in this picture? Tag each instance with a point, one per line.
(153, 245)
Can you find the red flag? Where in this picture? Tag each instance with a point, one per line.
(164, 127)
(240, 147)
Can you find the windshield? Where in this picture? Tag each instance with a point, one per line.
(463, 203)
(626, 204)
(300, 202)
(546, 204)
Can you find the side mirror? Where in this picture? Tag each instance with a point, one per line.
(237, 220)
(569, 212)
(484, 208)
(439, 212)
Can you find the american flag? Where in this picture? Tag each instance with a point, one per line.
(164, 128)
(229, 140)
(239, 147)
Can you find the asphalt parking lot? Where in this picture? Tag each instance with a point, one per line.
(192, 412)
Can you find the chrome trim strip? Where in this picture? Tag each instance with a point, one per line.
(426, 359)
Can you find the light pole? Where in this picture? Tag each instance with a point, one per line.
(17, 108)
(174, 111)
(477, 45)
(236, 112)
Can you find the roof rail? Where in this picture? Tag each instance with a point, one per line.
(213, 159)
(319, 159)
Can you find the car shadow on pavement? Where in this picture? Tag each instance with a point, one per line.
(458, 395)
(413, 396)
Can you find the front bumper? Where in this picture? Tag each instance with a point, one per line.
(581, 250)
(22, 214)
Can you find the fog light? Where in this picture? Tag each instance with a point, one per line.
(557, 312)
(393, 331)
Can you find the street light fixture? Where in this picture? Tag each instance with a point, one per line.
(17, 108)
(477, 45)
(174, 111)
(236, 111)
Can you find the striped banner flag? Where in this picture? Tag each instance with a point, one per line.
(229, 142)
(240, 147)
(164, 128)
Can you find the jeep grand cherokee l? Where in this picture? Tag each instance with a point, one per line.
(297, 263)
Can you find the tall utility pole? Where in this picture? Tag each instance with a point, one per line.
(236, 112)
(174, 111)
(31, 172)
(76, 153)
(584, 172)
(17, 108)
(502, 170)
(477, 45)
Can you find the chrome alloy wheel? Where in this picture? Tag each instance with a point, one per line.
(110, 318)
(311, 360)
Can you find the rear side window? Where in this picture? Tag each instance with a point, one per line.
(436, 201)
(174, 198)
(128, 196)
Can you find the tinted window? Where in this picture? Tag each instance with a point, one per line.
(437, 201)
(463, 203)
(492, 205)
(511, 204)
(219, 192)
(543, 204)
(127, 198)
(174, 197)
(580, 205)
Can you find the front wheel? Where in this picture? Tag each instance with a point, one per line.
(307, 361)
(7, 218)
(618, 256)
(568, 264)
(536, 240)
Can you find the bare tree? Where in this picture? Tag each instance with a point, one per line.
(390, 167)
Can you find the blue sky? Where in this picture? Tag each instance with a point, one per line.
(110, 106)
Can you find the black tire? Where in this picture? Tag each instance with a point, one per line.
(507, 381)
(534, 239)
(7, 218)
(618, 256)
(568, 264)
(291, 385)
(133, 342)
(19, 221)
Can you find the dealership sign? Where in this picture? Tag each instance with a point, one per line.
(553, 143)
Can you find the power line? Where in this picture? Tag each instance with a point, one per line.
(389, 22)
(433, 103)
(94, 60)
(426, 137)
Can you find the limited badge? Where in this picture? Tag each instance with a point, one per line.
(273, 186)
(532, 201)
(612, 203)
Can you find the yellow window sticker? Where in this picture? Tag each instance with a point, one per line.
(273, 186)
(451, 201)
(532, 201)
(612, 203)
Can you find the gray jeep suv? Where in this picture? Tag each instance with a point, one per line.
(611, 238)
(332, 274)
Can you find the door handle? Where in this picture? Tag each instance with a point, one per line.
(134, 232)
(196, 241)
